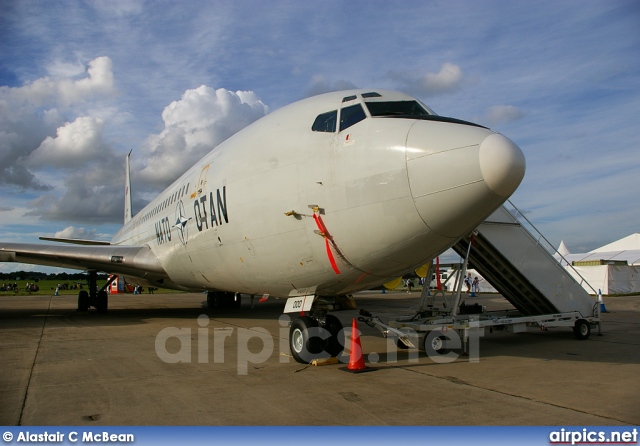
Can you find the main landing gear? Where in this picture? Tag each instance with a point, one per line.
(219, 300)
(318, 337)
(99, 299)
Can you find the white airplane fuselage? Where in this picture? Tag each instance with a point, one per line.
(388, 194)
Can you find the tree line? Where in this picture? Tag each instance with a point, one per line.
(36, 276)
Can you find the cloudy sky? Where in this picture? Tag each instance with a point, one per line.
(84, 82)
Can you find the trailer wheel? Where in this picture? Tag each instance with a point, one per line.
(582, 329)
(434, 344)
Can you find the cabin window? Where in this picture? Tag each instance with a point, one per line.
(351, 115)
(326, 122)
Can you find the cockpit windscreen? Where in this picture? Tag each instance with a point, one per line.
(396, 108)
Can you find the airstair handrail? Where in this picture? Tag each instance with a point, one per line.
(549, 248)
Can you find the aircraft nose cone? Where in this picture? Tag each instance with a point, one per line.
(459, 174)
(502, 164)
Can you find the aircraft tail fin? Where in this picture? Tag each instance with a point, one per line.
(127, 191)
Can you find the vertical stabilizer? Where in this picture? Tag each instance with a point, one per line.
(127, 191)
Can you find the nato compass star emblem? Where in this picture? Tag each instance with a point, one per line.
(181, 223)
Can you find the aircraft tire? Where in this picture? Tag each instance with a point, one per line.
(102, 302)
(335, 343)
(83, 301)
(582, 330)
(227, 300)
(304, 346)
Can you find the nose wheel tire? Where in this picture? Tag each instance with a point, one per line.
(304, 342)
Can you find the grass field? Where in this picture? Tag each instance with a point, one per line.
(48, 287)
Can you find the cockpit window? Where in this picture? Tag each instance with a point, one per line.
(396, 108)
(351, 115)
(326, 122)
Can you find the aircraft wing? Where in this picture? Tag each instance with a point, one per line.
(74, 241)
(137, 261)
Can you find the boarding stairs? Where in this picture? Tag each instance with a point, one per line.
(520, 266)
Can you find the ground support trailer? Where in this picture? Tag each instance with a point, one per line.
(522, 268)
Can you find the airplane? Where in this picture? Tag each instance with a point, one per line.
(327, 196)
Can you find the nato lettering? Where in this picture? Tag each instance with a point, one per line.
(212, 214)
(163, 231)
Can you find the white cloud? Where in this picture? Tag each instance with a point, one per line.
(47, 148)
(93, 194)
(320, 84)
(499, 114)
(447, 80)
(74, 232)
(119, 8)
(76, 143)
(80, 170)
(194, 125)
(30, 115)
(61, 69)
(65, 91)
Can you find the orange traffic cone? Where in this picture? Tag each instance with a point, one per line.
(356, 358)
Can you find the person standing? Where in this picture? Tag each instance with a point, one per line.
(476, 285)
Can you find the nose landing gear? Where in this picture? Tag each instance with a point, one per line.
(317, 337)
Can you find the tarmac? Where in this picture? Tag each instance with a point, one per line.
(166, 359)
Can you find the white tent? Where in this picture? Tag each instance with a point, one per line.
(630, 242)
(562, 249)
(610, 279)
(614, 269)
(630, 256)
